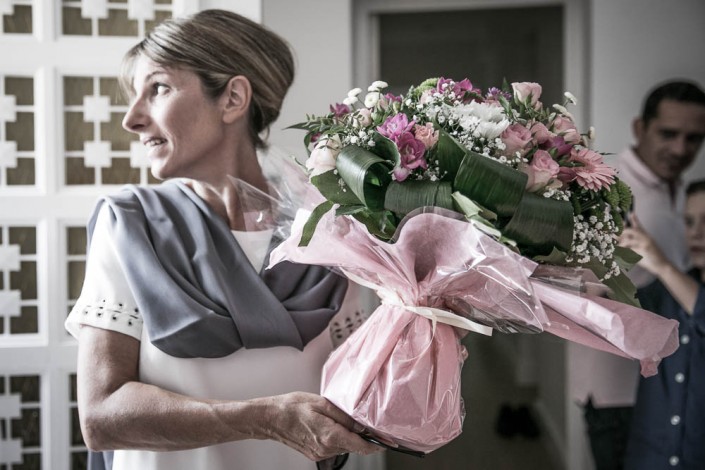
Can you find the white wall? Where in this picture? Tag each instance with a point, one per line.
(320, 32)
(636, 44)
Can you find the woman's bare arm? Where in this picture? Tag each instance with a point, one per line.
(119, 412)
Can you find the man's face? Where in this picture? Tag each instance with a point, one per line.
(669, 143)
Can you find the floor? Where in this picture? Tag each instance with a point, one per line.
(486, 386)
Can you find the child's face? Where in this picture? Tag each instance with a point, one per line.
(695, 228)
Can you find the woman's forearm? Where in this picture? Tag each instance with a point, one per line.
(145, 417)
(118, 411)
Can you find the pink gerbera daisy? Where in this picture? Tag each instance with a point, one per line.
(591, 172)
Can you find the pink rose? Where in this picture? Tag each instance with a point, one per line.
(426, 134)
(565, 128)
(426, 96)
(363, 117)
(540, 132)
(324, 155)
(516, 138)
(528, 93)
(541, 171)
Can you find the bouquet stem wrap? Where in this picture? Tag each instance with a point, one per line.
(399, 374)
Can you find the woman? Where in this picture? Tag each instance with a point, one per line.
(187, 357)
(668, 426)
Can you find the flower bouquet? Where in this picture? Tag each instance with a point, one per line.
(462, 209)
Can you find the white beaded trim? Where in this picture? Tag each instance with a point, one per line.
(109, 316)
(341, 327)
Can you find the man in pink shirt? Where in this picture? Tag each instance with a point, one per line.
(668, 135)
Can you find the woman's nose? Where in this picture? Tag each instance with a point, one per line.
(135, 117)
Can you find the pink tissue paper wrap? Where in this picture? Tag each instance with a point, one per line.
(399, 373)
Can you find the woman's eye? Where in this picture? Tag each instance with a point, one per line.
(160, 88)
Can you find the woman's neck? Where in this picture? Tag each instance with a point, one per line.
(224, 191)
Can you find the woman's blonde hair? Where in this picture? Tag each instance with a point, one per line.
(218, 45)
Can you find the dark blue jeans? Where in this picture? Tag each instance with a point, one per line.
(608, 429)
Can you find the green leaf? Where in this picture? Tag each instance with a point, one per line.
(381, 224)
(366, 174)
(328, 184)
(312, 222)
(493, 184)
(625, 257)
(349, 210)
(541, 224)
(556, 257)
(386, 149)
(403, 197)
(448, 153)
(622, 289)
(470, 208)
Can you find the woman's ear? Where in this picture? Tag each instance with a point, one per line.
(236, 99)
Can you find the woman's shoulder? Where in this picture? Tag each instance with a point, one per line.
(144, 198)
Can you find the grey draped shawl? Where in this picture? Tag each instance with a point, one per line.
(198, 294)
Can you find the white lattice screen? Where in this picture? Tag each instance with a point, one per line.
(61, 146)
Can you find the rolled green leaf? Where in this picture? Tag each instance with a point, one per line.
(491, 183)
(402, 198)
(542, 224)
(386, 149)
(365, 174)
(447, 155)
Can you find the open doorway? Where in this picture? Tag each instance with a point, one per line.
(487, 46)
(488, 42)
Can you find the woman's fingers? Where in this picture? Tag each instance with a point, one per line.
(315, 427)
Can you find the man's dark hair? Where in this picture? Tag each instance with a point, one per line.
(681, 91)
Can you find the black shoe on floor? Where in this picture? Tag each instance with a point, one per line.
(506, 425)
(527, 425)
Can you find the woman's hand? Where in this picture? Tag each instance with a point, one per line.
(313, 426)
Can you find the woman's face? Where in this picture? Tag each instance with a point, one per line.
(181, 127)
(695, 228)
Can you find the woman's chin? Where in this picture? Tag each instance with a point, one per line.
(158, 172)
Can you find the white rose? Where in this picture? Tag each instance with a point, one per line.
(324, 155)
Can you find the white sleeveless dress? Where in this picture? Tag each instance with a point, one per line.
(106, 302)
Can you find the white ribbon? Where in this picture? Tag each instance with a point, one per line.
(391, 297)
